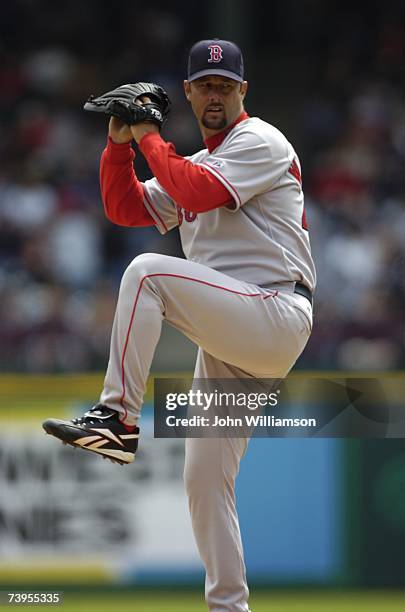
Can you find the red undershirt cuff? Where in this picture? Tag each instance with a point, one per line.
(148, 142)
(119, 153)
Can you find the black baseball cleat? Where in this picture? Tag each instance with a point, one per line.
(99, 430)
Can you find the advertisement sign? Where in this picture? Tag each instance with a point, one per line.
(67, 516)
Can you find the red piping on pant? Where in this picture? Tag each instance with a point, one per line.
(196, 280)
(274, 294)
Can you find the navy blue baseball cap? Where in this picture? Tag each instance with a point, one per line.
(215, 56)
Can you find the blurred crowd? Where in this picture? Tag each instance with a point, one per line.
(353, 146)
(60, 259)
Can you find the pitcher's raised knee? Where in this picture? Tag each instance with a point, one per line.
(145, 265)
(150, 263)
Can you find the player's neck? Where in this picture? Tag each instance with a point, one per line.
(213, 138)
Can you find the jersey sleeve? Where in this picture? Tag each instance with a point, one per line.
(190, 185)
(160, 206)
(250, 164)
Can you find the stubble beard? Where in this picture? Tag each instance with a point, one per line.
(214, 123)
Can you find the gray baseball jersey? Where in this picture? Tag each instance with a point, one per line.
(264, 239)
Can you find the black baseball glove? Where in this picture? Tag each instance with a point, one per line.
(122, 103)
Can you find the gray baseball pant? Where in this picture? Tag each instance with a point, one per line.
(242, 331)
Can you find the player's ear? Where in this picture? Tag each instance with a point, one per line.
(243, 88)
(187, 89)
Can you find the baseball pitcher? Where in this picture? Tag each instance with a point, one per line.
(243, 294)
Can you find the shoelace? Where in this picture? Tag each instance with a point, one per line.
(97, 413)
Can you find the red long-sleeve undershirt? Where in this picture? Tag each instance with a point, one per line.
(192, 187)
(121, 192)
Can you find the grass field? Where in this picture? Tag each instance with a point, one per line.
(261, 602)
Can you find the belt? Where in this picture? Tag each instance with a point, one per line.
(303, 290)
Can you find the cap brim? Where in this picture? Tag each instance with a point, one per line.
(217, 72)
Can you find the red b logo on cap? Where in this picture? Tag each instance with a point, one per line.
(215, 53)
